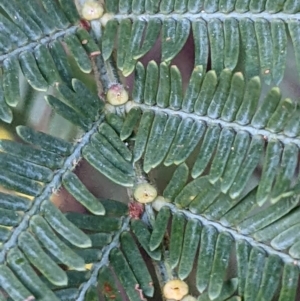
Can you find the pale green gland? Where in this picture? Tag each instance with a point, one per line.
(145, 193)
(189, 298)
(105, 18)
(92, 10)
(117, 95)
(159, 202)
(175, 289)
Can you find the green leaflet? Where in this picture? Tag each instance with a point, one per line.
(94, 223)
(31, 71)
(92, 294)
(114, 208)
(57, 14)
(21, 267)
(289, 282)
(5, 233)
(108, 38)
(88, 255)
(269, 172)
(12, 285)
(151, 80)
(30, 28)
(68, 112)
(113, 138)
(88, 43)
(277, 227)
(190, 191)
(236, 156)
(61, 225)
(255, 271)
(267, 216)
(174, 36)
(177, 234)
(10, 83)
(100, 239)
(260, 42)
(9, 217)
(26, 169)
(142, 135)
(13, 202)
(51, 242)
(70, 11)
(78, 53)
(157, 129)
(41, 260)
(193, 89)
(107, 284)
(124, 274)
(60, 59)
(205, 257)
(286, 239)
(209, 142)
(207, 195)
(83, 105)
(242, 252)
(74, 278)
(67, 294)
(253, 156)
(143, 235)
(40, 157)
(177, 182)
(223, 151)
(80, 193)
(228, 289)
(103, 165)
(137, 263)
(240, 211)
(130, 123)
(46, 142)
(20, 184)
(221, 261)
(270, 280)
(180, 139)
(5, 111)
(115, 121)
(287, 170)
(189, 249)
(46, 64)
(102, 144)
(159, 228)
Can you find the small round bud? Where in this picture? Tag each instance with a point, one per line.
(189, 298)
(175, 289)
(92, 10)
(159, 202)
(145, 193)
(117, 95)
(105, 18)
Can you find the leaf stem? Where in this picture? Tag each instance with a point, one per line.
(209, 16)
(235, 234)
(45, 40)
(104, 261)
(48, 190)
(234, 125)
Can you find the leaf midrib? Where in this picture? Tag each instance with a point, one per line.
(44, 41)
(268, 135)
(209, 16)
(104, 260)
(286, 258)
(49, 188)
